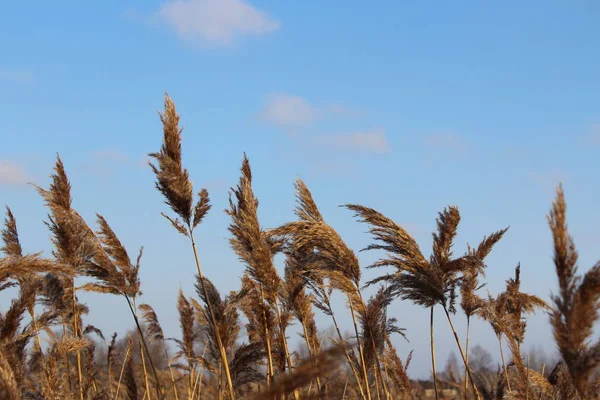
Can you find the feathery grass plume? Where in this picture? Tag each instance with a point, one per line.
(153, 326)
(92, 329)
(126, 360)
(156, 334)
(14, 340)
(173, 182)
(19, 267)
(326, 362)
(90, 367)
(297, 301)
(425, 282)
(9, 389)
(521, 388)
(490, 385)
(505, 314)
(256, 249)
(110, 361)
(131, 387)
(186, 323)
(121, 274)
(396, 369)
(260, 317)
(517, 303)
(226, 315)
(69, 233)
(72, 246)
(55, 381)
(562, 383)
(577, 306)
(244, 367)
(10, 236)
(248, 239)
(471, 303)
(325, 257)
(29, 281)
(247, 357)
(376, 327)
(116, 274)
(261, 322)
(494, 312)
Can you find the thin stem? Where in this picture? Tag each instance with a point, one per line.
(144, 369)
(350, 363)
(541, 392)
(360, 350)
(527, 386)
(375, 352)
(467, 355)
(504, 363)
(345, 387)
(212, 317)
(37, 333)
(220, 390)
(199, 377)
(172, 376)
(311, 353)
(142, 357)
(285, 346)
(75, 330)
(159, 389)
(109, 377)
(462, 354)
(435, 385)
(121, 374)
(67, 362)
(270, 372)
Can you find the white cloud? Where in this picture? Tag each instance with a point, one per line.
(288, 111)
(12, 174)
(215, 22)
(448, 141)
(374, 142)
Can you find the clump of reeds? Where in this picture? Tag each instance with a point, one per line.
(425, 282)
(576, 306)
(48, 352)
(173, 182)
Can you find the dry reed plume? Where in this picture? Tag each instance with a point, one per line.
(237, 345)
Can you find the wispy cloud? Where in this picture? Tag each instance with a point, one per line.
(371, 142)
(291, 112)
(287, 111)
(215, 22)
(12, 174)
(16, 75)
(448, 141)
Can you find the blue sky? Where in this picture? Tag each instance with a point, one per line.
(406, 107)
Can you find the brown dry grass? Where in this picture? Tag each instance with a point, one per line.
(235, 345)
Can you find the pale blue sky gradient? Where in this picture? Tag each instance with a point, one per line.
(406, 107)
